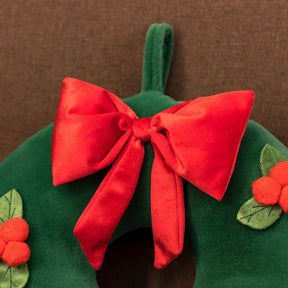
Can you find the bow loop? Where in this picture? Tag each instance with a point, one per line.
(200, 138)
(91, 123)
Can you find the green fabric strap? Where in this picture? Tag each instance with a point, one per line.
(157, 57)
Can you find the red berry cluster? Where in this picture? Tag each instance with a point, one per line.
(13, 250)
(274, 189)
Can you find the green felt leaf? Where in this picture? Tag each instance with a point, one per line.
(10, 206)
(258, 216)
(13, 277)
(269, 157)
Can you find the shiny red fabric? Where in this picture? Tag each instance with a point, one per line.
(197, 140)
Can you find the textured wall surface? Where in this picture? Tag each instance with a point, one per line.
(219, 46)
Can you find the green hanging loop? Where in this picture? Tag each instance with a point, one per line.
(157, 57)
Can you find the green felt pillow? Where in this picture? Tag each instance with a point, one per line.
(228, 254)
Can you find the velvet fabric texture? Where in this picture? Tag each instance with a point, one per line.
(227, 253)
(190, 140)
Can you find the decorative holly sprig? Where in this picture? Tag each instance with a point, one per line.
(270, 191)
(14, 252)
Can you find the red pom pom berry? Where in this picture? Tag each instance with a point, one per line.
(15, 229)
(266, 190)
(2, 246)
(283, 200)
(16, 253)
(280, 172)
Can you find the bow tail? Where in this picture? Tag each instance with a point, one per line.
(168, 212)
(96, 225)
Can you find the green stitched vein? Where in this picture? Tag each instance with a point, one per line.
(252, 214)
(13, 212)
(11, 278)
(6, 198)
(10, 204)
(273, 157)
(7, 270)
(272, 207)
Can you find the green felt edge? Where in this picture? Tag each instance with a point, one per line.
(199, 208)
(229, 254)
(32, 161)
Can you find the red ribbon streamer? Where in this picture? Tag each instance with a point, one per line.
(197, 140)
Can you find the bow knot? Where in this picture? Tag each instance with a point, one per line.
(142, 129)
(95, 129)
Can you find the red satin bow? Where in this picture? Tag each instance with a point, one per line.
(197, 140)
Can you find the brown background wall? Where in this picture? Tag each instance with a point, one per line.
(219, 46)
